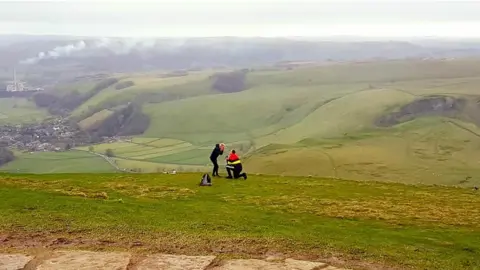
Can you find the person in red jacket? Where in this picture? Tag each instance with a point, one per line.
(234, 164)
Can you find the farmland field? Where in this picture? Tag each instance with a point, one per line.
(62, 162)
(19, 110)
(155, 154)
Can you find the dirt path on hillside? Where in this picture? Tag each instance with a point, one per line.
(107, 159)
(332, 163)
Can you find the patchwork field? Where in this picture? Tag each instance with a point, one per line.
(62, 162)
(356, 225)
(155, 155)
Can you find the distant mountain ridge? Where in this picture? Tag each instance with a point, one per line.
(125, 55)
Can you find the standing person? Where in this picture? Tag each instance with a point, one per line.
(217, 151)
(234, 164)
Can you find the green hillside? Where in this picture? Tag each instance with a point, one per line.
(147, 87)
(433, 151)
(19, 110)
(356, 225)
(319, 120)
(238, 116)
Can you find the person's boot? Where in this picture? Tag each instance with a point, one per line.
(245, 176)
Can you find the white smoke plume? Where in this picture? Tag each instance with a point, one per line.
(57, 52)
(124, 46)
(115, 46)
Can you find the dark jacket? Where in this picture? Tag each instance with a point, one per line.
(216, 152)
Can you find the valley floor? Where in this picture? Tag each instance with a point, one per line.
(357, 225)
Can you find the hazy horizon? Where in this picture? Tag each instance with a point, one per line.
(261, 18)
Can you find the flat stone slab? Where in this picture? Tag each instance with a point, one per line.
(253, 264)
(13, 261)
(175, 262)
(86, 260)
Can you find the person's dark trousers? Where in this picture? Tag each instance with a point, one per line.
(215, 167)
(229, 172)
(237, 173)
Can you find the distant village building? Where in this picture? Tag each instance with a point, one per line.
(15, 87)
(19, 86)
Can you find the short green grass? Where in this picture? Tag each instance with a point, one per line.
(145, 166)
(410, 227)
(190, 157)
(57, 162)
(20, 110)
(256, 112)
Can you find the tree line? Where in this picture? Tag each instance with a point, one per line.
(6, 156)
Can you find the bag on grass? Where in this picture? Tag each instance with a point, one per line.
(206, 180)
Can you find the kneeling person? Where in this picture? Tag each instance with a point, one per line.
(234, 164)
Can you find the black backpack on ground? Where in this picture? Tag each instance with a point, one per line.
(206, 180)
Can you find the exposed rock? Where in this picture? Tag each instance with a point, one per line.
(429, 106)
(300, 265)
(83, 260)
(13, 261)
(253, 264)
(175, 262)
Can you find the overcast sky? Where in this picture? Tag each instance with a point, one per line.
(386, 18)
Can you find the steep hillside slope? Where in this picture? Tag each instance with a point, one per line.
(245, 115)
(427, 150)
(345, 114)
(146, 88)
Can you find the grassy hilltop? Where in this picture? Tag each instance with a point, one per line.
(362, 225)
(317, 120)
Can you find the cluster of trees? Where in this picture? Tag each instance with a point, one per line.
(6, 156)
(126, 121)
(61, 105)
(230, 82)
(123, 85)
(109, 153)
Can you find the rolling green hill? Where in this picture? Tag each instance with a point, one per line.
(433, 151)
(319, 120)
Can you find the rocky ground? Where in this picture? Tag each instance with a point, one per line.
(83, 260)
